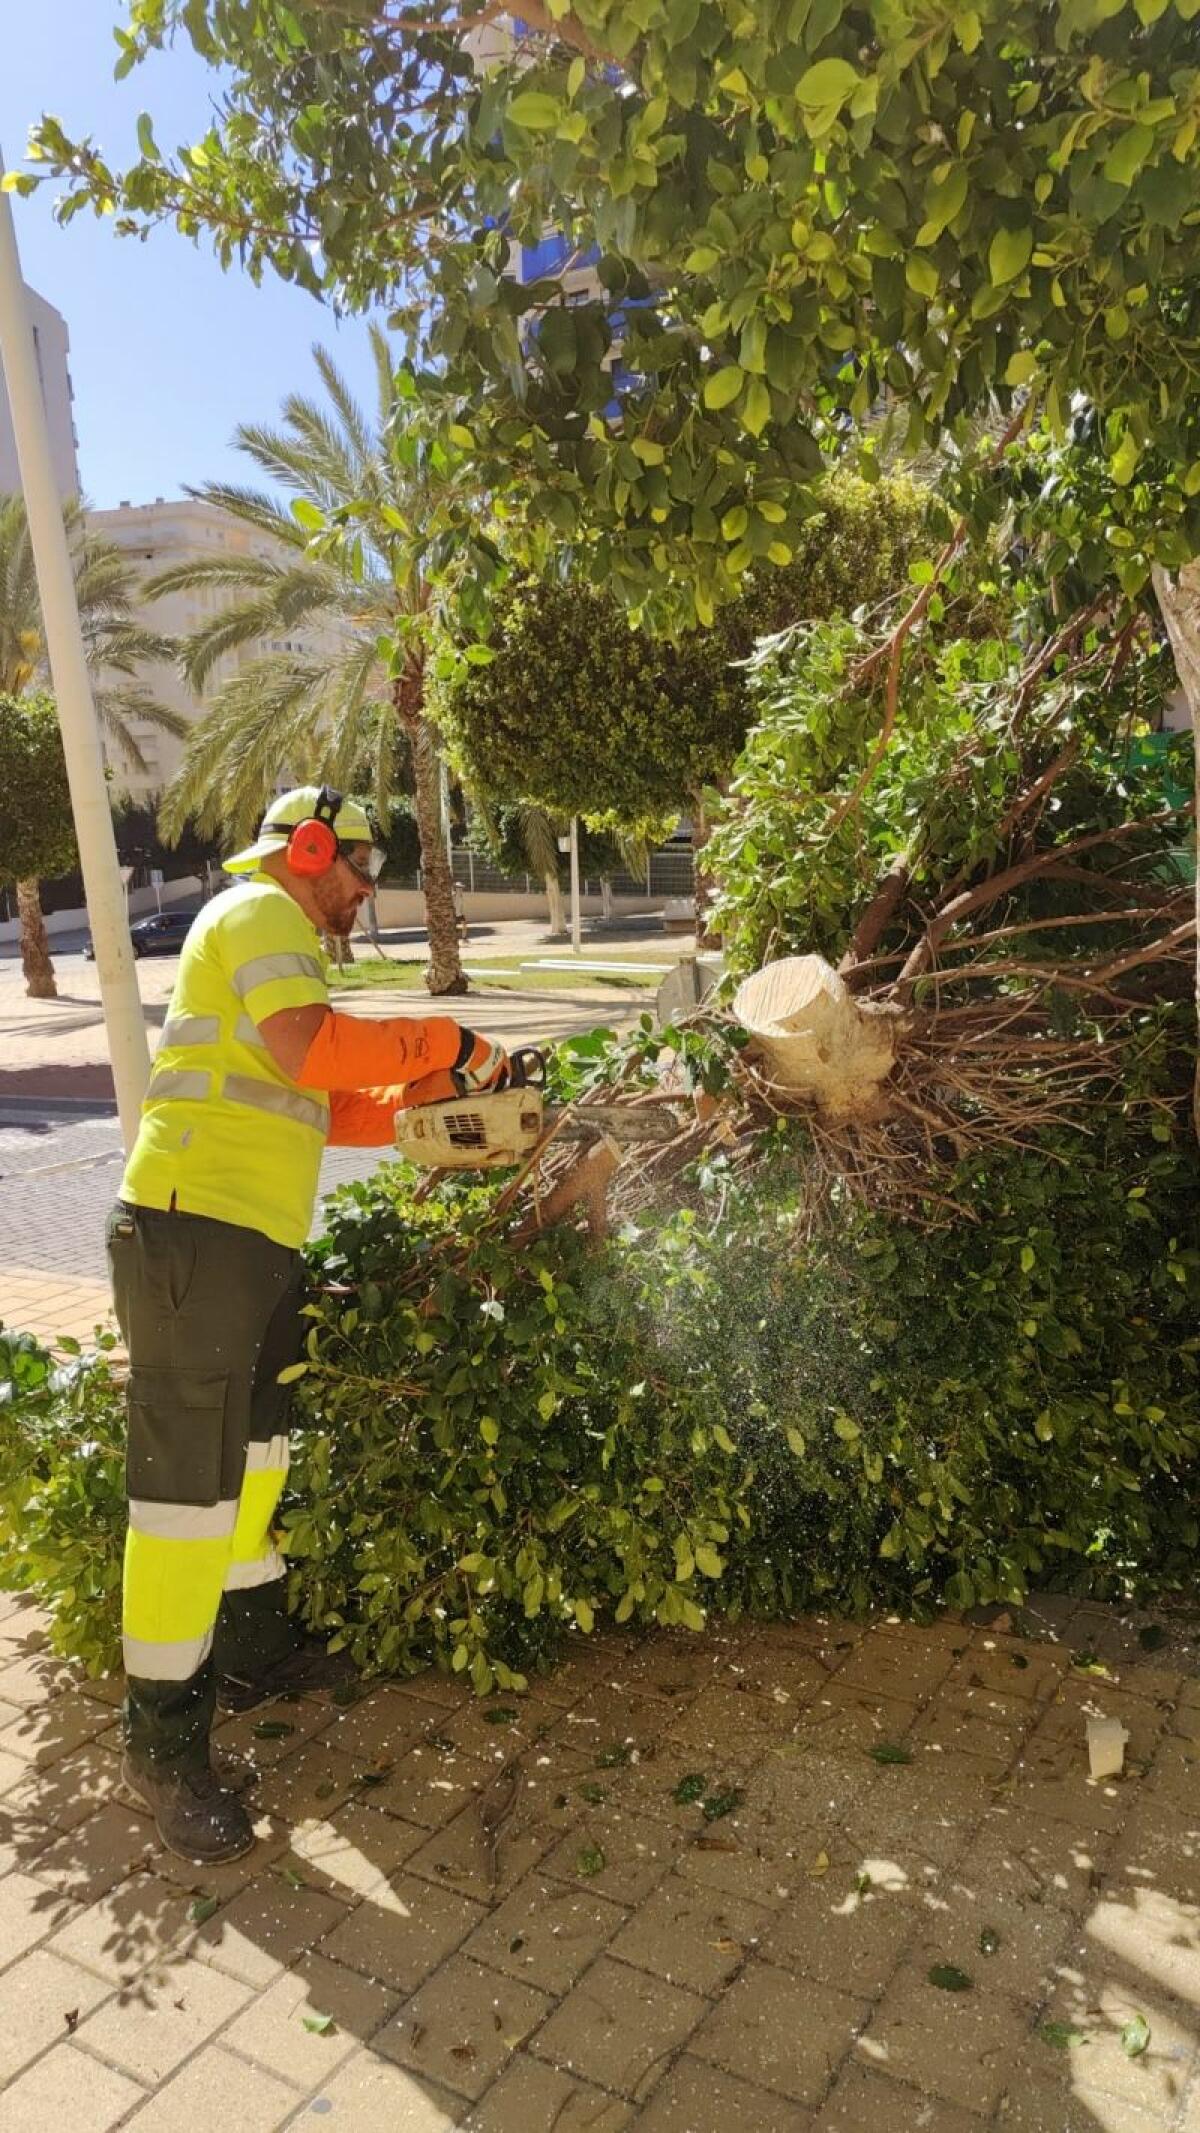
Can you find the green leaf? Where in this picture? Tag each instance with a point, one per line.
(720, 1804)
(1135, 2036)
(755, 408)
(203, 1909)
(889, 1752)
(690, 1789)
(1127, 158)
(535, 110)
(1061, 2035)
(501, 1714)
(272, 1729)
(723, 387)
(590, 1860)
(722, 1438)
(585, 1616)
(319, 2025)
(948, 1978)
(829, 82)
(308, 515)
(709, 1562)
(1009, 254)
(293, 1371)
(796, 1443)
(921, 274)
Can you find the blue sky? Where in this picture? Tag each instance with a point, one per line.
(168, 353)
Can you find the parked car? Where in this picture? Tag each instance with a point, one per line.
(163, 933)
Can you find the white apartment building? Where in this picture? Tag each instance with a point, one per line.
(158, 537)
(52, 343)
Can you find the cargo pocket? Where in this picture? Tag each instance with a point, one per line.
(175, 1436)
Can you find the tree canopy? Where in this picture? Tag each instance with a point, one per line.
(37, 830)
(582, 715)
(795, 209)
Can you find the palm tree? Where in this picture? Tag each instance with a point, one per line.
(337, 690)
(116, 645)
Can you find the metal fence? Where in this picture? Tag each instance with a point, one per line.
(670, 872)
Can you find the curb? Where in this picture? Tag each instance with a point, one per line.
(21, 1110)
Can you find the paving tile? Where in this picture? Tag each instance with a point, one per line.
(779, 1669)
(67, 2089)
(1151, 1934)
(271, 2030)
(647, 1784)
(1051, 1779)
(532, 2097)
(1100, 2001)
(34, 1678)
(958, 2046)
(1032, 1861)
(546, 1932)
(838, 1933)
(905, 1667)
(22, 1837)
(315, 1781)
(148, 2034)
(90, 1860)
(266, 1927)
(621, 1856)
(382, 1724)
(353, 1852)
(44, 1733)
(38, 1994)
(370, 2095)
(695, 2097)
(1066, 1716)
(1009, 1668)
(1049, 2089)
(946, 1727)
(29, 1912)
(674, 1664)
(690, 1935)
(429, 1785)
(24, 1626)
(67, 1793)
(401, 1938)
(498, 1728)
(722, 1715)
(215, 2089)
(607, 1720)
(863, 2099)
(138, 1925)
(462, 2026)
(781, 2032)
(463, 1857)
(849, 1720)
(243, 1733)
(617, 2027)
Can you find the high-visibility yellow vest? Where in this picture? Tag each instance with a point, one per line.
(224, 1132)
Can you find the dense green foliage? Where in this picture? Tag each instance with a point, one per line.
(943, 793)
(579, 713)
(37, 829)
(795, 206)
(62, 1492)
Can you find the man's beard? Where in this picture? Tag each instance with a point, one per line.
(338, 918)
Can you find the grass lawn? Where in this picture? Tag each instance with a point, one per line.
(371, 973)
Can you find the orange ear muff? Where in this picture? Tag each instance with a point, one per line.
(311, 848)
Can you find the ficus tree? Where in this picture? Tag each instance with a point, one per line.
(37, 830)
(793, 209)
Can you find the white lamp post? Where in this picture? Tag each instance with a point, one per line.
(126, 1029)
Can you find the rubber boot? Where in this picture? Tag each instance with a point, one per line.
(194, 1817)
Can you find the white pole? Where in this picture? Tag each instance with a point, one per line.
(576, 931)
(126, 1029)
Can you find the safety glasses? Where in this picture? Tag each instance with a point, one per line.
(369, 874)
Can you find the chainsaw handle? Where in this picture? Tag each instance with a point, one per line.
(527, 1068)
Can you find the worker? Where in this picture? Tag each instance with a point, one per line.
(254, 1075)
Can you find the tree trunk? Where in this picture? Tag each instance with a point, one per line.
(702, 881)
(817, 1040)
(35, 947)
(606, 900)
(1179, 599)
(558, 909)
(337, 949)
(445, 973)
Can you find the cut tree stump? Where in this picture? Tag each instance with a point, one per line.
(817, 1040)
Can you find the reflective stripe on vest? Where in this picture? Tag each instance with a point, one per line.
(268, 1096)
(268, 1456)
(261, 969)
(192, 1029)
(248, 1032)
(175, 1085)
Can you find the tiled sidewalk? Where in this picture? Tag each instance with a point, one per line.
(420, 1943)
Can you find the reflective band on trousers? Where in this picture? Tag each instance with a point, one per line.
(268, 1096)
(261, 969)
(270, 1456)
(192, 1029)
(174, 1085)
(166, 1662)
(183, 1521)
(242, 1577)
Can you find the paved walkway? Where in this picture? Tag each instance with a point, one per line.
(885, 1807)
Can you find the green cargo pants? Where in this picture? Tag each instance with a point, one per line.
(210, 1313)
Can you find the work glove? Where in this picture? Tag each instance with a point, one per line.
(481, 1064)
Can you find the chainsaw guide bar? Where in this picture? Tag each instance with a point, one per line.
(494, 1130)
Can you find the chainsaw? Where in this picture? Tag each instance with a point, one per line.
(496, 1128)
